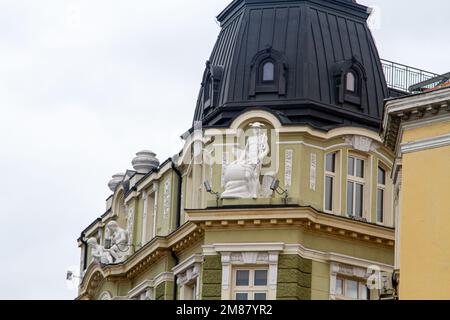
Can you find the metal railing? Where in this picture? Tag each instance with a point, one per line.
(409, 79)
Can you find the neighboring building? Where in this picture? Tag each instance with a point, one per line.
(298, 200)
(417, 129)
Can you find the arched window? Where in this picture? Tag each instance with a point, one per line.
(268, 74)
(350, 82)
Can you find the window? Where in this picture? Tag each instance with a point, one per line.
(350, 82)
(190, 291)
(355, 187)
(268, 74)
(381, 191)
(351, 289)
(250, 284)
(330, 181)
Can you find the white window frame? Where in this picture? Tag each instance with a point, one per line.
(360, 287)
(347, 272)
(336, 195)
(382, 187)
(188, 276)
(357, 180)
(248, 254)
(251, 289)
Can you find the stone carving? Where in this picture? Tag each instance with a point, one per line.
(242, 176)
(313, 172)
(266, 192)
(288, 158)
(361, 143)
(119, 242)
(166, 199)
(99, 254)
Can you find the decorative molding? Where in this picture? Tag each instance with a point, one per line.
(143, 291)
(166, 198)
(288, 158)
(313, 172)
(361, 143)
(239, 254)
(431, 143)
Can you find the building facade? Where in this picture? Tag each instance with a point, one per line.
(284, 187)
(417, 129)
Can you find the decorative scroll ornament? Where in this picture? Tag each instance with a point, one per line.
(288, 158)
(242, 176)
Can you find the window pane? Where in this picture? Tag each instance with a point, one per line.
(242, 277)
(351, 82)
(260, 296)
(351, 166)
(329, 194)
(381, 176)
(352, 289)
(331, 162)
(268, 71)
(261, 278)
(359, 193)
(380, 205)
(360, 168)
(350, 198)
(241, 296)
(339, 287)
(363, 292)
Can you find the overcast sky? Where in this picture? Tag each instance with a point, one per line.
(84, 84)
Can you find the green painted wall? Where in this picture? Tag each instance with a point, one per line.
(294, 278)
(212, 278)
(320, 281)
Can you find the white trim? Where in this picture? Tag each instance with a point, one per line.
(326, 257)
(186, 264)
(431, 143)
(242, 247)
(163, 277)
(144, 287)
(312, 145)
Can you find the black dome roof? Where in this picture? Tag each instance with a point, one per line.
(313, 45)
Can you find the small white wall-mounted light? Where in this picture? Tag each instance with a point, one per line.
(209, 189)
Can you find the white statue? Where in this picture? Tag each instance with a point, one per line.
(99, 253)
(119, 242)
(242, 176)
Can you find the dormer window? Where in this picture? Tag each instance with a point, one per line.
(268, 74)
(211, 86)
(350, 82)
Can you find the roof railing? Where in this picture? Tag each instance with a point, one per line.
(409, 79)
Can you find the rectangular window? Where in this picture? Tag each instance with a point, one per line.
(351, 289)
(330, 176)
(381, 189)
(355, 187)
(250, 284)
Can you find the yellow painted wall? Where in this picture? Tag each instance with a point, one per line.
(425, 220)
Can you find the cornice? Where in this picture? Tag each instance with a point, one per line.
(295, 217)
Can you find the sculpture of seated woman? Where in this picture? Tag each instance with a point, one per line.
(242, 176)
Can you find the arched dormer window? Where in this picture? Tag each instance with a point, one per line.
(268, 73)
(350, 82)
